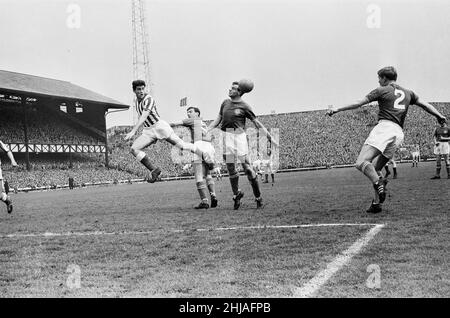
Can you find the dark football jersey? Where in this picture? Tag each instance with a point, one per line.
(234, 115)
(393, 102)
(442, 132)
(198, 129)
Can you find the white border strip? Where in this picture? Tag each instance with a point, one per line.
(310, 288)
(256, 227)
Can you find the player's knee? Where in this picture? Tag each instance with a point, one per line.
(139, 155)
(231, 169)
(358, 165)
(249, 172)
(361, 165)
(201, 184)
(135, 150)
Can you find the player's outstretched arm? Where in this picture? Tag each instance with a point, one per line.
(431, 110)
(215, 123)
(177, 123)
(140, 122)
(357, 104)
(259, 125)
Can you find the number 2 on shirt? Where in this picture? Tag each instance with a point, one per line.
(397, 102)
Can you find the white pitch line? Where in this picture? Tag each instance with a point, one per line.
(310, 288)
(256, 227)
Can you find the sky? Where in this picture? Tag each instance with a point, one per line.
(301, 55)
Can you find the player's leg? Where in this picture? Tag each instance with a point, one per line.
(252, 178)
(386, 168)
(178, 142)
(201, 185)
(364, 164)
(272, 173)
(139, 144)
(379, 162)
(210, 184)
(394, 168)
(234, 179)
(438, 168)
(3, 196)
(447, 165)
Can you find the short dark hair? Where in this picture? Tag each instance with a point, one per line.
(389, 72)
(137, 83)
(195, 109)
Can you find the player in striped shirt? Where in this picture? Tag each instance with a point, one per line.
(202, 173)
(155, 129)
(393, 102)
(4, 197)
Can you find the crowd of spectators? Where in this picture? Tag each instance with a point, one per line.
(57, 173)
(43, 128)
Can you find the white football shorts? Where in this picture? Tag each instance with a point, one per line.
(160, 131)
(442, 148)
(235, 144)
(205, 147)
(386, 136)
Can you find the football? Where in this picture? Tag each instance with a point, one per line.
(245, 86)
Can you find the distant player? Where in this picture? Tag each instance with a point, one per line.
(231, 120)
(393, 101)
(257, 166)
(218, 172)
(154, 129)
(442, 149)
(4, 197)
(415, 154)
(202, 172)
(394, 168)
(268, 167)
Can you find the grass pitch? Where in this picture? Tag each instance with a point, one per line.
(140, 240)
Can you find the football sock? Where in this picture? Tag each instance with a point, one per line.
(273, 178)
(145, 160)
(210, 184)
(376, 200)
(234, 181)
(4, 197)
(234, 177)
(255, 187)
(201, 187)
(267, 177)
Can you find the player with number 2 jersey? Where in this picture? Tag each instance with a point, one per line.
(393, 102)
